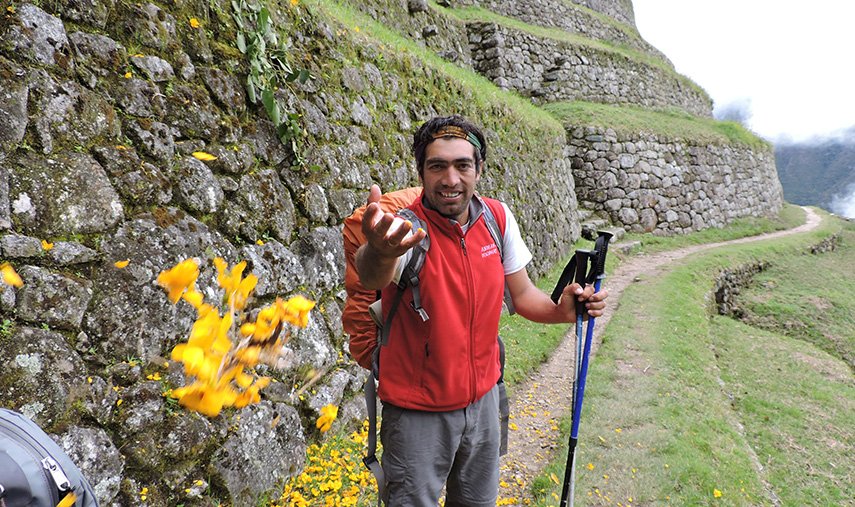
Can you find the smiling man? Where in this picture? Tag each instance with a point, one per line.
(438, 380)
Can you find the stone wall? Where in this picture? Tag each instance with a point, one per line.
(573, 19)
(666, 187)
(549, 70)
(621, 10)
(730, 282)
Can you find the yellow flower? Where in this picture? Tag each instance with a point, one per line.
(194, 22)
(122, 264)
(203, 156)
(179, 279)
(10, 9)
(716, 493)
(294, 3)
(128, 75)
(590, 466)
(10, 277)
(46, 246)
(328, 415)
(296, 310)
(259, 242)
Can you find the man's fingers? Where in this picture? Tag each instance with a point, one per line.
(374, 194)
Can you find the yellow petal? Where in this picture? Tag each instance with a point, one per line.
(194, 22)
(10, 277)
(46, 245)
(203, 156)
(122, 264)
(68, 501)
(194, 297)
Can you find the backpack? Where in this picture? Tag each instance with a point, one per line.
(34, 470)
(360, 316)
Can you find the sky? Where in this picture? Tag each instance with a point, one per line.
(787, 62)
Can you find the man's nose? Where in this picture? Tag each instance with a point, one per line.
(450, 177)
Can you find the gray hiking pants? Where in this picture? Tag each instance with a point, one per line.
(424, 450)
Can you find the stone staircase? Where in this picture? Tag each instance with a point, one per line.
(592, 223)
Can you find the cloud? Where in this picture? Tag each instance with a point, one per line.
(844, 204)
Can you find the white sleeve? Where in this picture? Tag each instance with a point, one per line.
(515, 253)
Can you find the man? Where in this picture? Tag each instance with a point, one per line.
(438, 376)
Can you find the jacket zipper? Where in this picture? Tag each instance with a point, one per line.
(471, 292)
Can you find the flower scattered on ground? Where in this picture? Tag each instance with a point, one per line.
(122, 264)
(46, 245)
(334, 475)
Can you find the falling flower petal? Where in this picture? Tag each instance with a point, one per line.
(10, 277)
(203, 156)
(122, 264)
(328, 415)
(46, 245)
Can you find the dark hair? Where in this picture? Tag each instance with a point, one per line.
(425, 135)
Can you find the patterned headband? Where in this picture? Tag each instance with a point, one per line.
(455, 131)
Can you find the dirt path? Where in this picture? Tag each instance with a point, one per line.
(539, 403)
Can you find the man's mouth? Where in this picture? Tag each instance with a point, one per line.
(450, 195)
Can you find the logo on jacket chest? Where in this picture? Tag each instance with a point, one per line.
(488, 250)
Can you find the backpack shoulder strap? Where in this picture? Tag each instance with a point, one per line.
(498, 233)
(409, 276)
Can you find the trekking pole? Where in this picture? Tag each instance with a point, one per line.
(598, 260)
(581, 264)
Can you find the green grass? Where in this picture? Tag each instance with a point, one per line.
(778, 301)
(482, 92)
(681, 404)
(670, 123)
(529, 344)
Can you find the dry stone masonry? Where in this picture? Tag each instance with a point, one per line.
(553, 71)
(670, 187)
(617, 29)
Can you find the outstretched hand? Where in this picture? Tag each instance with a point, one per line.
(385, 233)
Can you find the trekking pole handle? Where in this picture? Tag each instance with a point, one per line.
(582, 258)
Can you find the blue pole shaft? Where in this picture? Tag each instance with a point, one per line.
(583, 372)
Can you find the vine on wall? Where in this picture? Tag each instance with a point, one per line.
(269, 69)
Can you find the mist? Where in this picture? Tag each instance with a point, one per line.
(738, 110)
(844, 204)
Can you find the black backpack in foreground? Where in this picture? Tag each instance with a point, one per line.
(34, 470)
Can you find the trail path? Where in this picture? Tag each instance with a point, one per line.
(540, 402)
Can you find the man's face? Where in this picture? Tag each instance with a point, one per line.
(449, 177)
